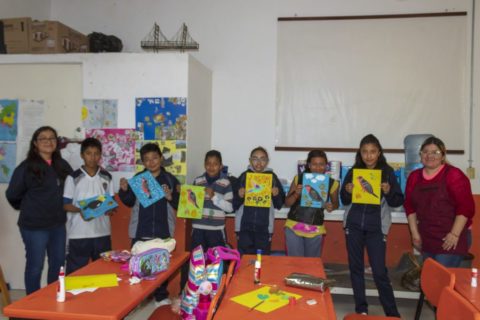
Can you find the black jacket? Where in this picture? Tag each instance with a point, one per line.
(40, 203)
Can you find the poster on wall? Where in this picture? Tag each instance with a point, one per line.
(99, 113)
(8, 119)
(174, 154)
(31, 116)
(118, 148)
(8, 155)
(161, 118)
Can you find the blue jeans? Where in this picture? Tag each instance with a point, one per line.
(37, 244)
(447, 260)
(302, 246)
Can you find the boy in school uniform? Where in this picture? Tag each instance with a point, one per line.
(210, 230)
(86, 239)
(158, 219)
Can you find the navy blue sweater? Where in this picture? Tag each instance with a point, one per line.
(152, 221)
(40, 203)
(367, 216)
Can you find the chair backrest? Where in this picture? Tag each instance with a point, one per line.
(231, 270)
(217, 299)
(433, 279)
(452, 306)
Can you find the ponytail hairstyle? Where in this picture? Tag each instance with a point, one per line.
(370, 139)
(37, 165)
(315, 154)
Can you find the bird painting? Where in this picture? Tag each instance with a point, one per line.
(192, 198)
(145, 188)
(366, 186)
(256, 188)
(312, 193)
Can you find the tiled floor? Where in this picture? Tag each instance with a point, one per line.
(343, 305)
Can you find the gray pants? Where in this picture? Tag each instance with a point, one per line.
(301, 246)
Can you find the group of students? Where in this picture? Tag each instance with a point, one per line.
(46, 189)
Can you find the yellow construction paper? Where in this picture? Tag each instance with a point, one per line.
(366, 186)
(272, 302)
(91, 281)
(190, 205)
(258, 190)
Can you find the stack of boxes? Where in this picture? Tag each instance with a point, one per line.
(22, 35)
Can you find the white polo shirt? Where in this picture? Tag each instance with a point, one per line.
(79, 186)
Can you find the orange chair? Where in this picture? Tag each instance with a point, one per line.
(3, 288)
(433, 279)
(231, 270)
(217, 299)
(166, 313)
(356, 316)
(452, 306)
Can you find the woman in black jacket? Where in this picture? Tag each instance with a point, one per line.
(36, 189)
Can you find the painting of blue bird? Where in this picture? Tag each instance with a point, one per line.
(312, 193)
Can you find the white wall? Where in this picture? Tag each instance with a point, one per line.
(238, 43)
(36, 9)
(101, 76)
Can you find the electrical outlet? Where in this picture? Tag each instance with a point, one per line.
(471, 172)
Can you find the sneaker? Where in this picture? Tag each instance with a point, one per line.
(163, 302)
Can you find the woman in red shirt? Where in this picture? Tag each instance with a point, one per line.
(439, 206)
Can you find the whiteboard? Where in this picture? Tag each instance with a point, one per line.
(338, 80)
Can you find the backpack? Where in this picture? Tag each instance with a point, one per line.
(205, 272)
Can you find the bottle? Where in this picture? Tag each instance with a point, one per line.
(474, 277)
(258, 267)
(61, 285)
(412, 144)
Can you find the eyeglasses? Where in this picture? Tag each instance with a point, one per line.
(45, 140)
(435, 153)
(256, 160)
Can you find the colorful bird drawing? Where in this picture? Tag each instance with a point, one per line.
(145, 188)
(256, 187)
(366, 186)
(192, 198)
(313, 193)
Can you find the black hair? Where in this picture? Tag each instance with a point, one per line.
(150, 147)
(37, 165)
(90, 143)
(370, 139)
(315, 154)
(439, 143)
(213, 154)
(259, 148)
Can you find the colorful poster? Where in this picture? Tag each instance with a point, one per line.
(314, 190)
(190, 205)
(258, 190)
(8, 119)
(366, 186)
(162, 118)
(146, 188)
(174, 156)
(99, 113)
(96, 206)
(118, 148)
(264, 300)
(8, 155)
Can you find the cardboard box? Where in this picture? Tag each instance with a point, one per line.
(17, 34)
(55, 37)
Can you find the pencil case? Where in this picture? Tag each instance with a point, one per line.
(149, 263)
